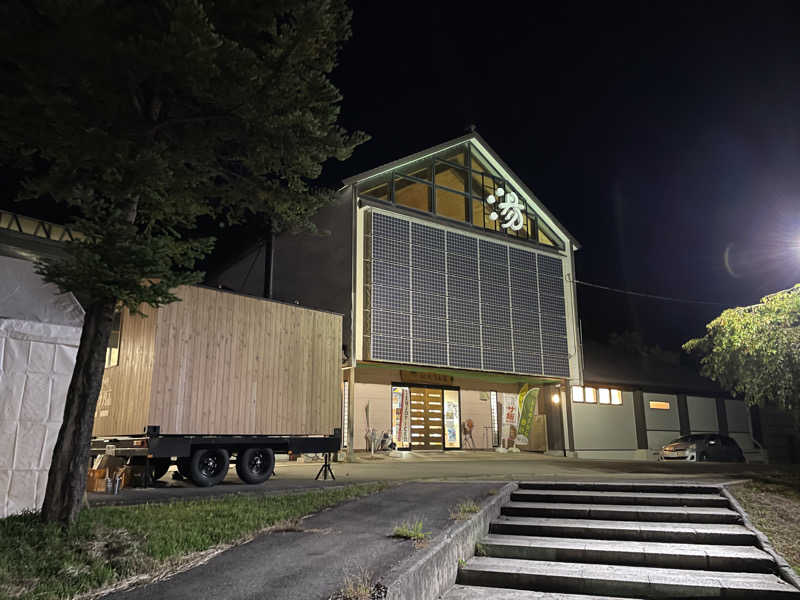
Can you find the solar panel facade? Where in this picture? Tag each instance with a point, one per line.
(439, 297)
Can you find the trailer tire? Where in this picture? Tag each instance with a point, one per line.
(209, 466)
(255, 465)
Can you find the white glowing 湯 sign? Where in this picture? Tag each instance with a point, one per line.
(510, 207)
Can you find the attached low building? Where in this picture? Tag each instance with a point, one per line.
(631, 405)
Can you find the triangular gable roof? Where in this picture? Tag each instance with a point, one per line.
(496, 162)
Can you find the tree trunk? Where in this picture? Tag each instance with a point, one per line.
(66, 482)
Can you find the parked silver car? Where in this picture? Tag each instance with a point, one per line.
(702, 447)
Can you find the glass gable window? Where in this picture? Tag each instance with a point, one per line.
(461, 185)
(452, 205)
(371, 190)
(412, 193)
(451, 177)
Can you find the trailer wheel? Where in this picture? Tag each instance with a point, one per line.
(255, 465)
(184, 467)
(159, 467)
(209, 466)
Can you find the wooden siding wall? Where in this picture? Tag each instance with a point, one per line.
(125, 394)
(227, 363)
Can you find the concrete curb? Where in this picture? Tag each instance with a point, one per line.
(429, 573)
(784, 569)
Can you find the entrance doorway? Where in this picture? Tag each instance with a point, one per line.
(426, 417)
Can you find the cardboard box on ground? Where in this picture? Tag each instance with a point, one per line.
(113, 467)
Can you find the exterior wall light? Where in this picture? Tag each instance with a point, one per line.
(556, 398)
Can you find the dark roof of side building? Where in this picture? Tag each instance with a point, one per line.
(605, 364)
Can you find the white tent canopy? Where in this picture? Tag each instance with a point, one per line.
(25, 296)
(40, 330)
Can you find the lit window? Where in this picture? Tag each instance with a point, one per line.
(604, 396)
(420, 170)
(477, 185)
(480, 164)
(616, 397)
(547, 237)
(412, 194)
(451, 177)
(577, 393)
(457, 157)
(591, 395)
(379, 192)
(452, 205)
(477, 212)
(112, 351)
(659, 405)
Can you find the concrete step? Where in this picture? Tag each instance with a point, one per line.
(614, 486)
(642, 531)
(617, 552)
(622, 512)
(471, 592)
(620, 497)
(614, 580)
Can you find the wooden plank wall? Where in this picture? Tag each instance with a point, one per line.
(227, 363)
(125, 394)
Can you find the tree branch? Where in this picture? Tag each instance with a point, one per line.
(196, 119)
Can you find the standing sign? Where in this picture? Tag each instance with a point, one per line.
(510, 417)
(452, 422)
(401, 416)
(528, 399)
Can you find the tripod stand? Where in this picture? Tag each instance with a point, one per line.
(325, 469)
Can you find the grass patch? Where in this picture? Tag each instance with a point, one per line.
(773, 506)
(411, 530)
(360, 586)
(464, 510)
(109, 544)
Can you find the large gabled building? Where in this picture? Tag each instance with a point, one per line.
(457, 288)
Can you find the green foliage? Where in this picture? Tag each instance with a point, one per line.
(754, 351)
(411, 530)
(464, 510)
(148, 118)
(105, 545)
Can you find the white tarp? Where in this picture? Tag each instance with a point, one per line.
(26, 297)
(39, 335)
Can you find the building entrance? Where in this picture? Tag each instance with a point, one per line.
(426, 417)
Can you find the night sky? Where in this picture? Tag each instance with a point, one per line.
(659, 134)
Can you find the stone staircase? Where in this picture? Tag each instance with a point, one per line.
(570, 541)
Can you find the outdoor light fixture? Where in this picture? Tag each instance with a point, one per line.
(556, 398)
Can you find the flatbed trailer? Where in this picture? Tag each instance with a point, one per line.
(205, 459)
(220, 379)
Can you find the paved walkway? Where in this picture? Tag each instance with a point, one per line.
(463, 465)
(312, 564)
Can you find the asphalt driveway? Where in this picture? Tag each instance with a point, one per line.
(312, 563)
